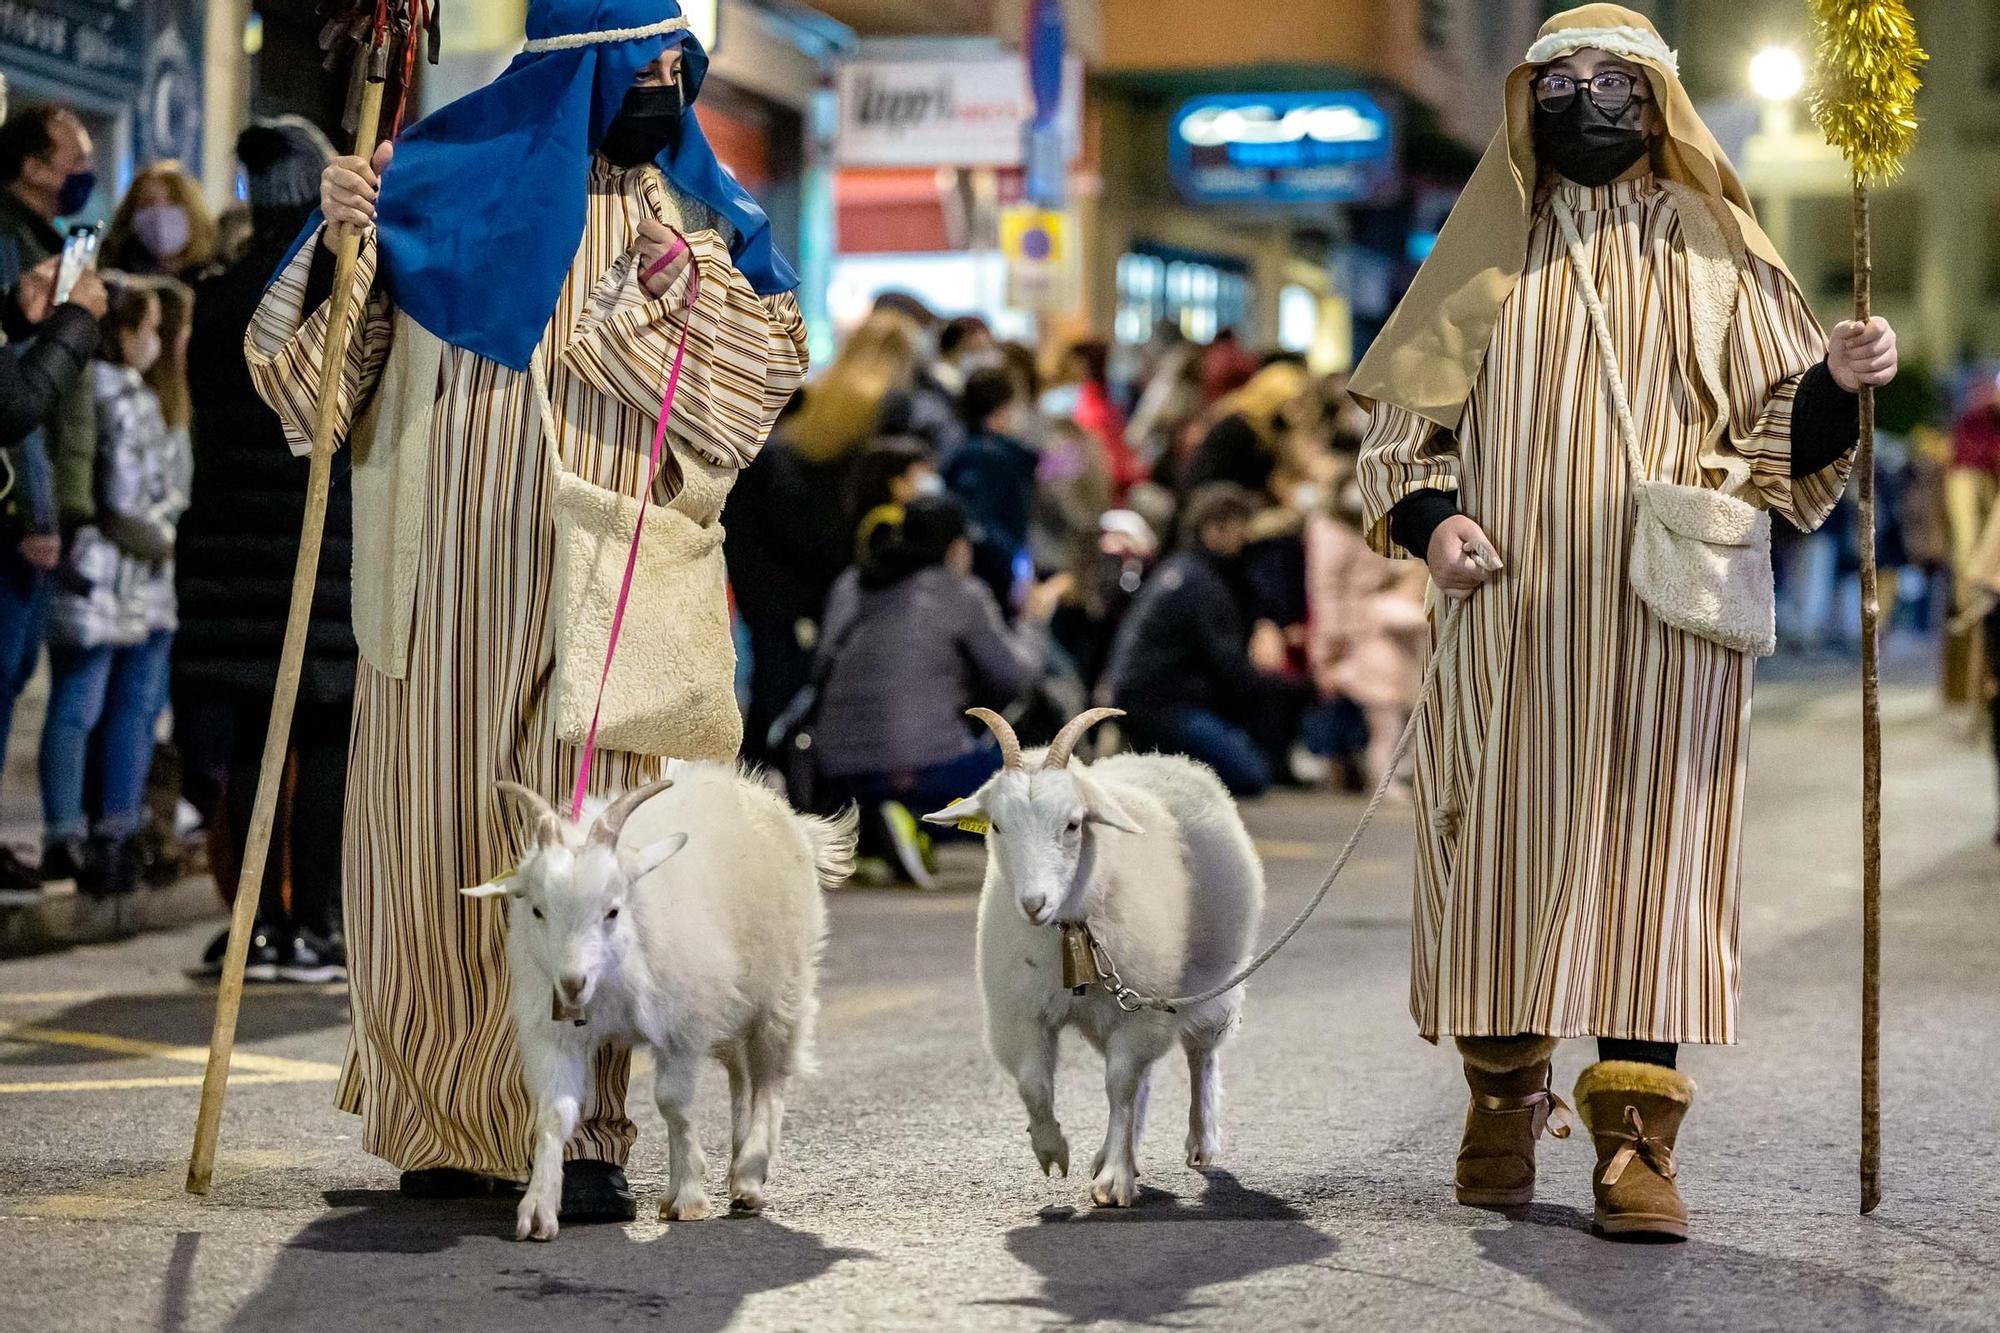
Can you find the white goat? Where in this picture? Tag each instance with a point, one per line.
(1149, 852)
(716, 955)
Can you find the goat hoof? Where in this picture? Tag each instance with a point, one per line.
(748, 1199)
(1201, 1153)
(692, 1209)
(1114, 1191)
(532, 1223)
(1054, 1159)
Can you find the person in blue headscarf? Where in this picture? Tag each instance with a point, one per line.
(531, 256)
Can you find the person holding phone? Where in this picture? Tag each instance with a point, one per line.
(45, 402)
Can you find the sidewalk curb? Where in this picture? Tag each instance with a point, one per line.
(65, 919)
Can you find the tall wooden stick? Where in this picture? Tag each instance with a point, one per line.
(1871, 747)
(291, 665)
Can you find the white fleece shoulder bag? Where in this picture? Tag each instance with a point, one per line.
(1701, 557)
(670, 688)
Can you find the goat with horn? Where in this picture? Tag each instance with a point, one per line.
(1141, 859)
(617, 936)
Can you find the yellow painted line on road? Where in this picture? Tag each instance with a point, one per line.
(206, 992)
(869, 1001)
(53, 997)
(163, 1081)
(297, 1070)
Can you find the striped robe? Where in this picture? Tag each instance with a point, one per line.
(432, 1067)
(1591, 887)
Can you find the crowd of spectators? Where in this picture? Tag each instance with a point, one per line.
(944, 520)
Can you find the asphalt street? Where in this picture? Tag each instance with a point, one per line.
(908, 1198)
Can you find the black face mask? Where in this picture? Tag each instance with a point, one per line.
(648, 123)
(1586, 145)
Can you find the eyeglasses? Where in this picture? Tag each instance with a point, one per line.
(1610, 92)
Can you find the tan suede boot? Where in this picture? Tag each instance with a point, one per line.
(1512, 1104)
(1634, 1113)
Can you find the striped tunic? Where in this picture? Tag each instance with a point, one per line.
(432, 1067)
(1591, 886)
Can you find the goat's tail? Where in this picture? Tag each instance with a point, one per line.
(833, 841)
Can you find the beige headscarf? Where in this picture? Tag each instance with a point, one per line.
(1429, 355)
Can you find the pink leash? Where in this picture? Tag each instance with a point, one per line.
(639, 529)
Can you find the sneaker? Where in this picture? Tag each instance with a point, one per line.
(65, 859)
(448, 1182)
(16, 873)
(210, 966)
(270, 951)
(314, 959)
(907, 840)
(113, 867)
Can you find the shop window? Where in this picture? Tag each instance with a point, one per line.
(1202, 294)
(1298, 319)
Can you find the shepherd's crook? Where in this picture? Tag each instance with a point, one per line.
(1864, 98)
(383, 21)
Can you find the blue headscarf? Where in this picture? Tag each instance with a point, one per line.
(482, 211)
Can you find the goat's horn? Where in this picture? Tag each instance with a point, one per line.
(544, 824)
(1064, 744)
(1010, 744)
(612, 822)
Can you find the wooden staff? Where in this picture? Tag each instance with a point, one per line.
(291, 663)
(1864, 98)
(1871, 747)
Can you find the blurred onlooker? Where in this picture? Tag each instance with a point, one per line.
(239, 544)
(912, 640)
(789, 535)
(1226, 366)
(1170, 402)
(920, 405)
(993, 476)
(162, 226)
(112, 622)
(965, 344)
(1368, 634)
(235, 228)
(1243, 445)
(1084, 383)
(45, 397)
(891, 471)
(1181, 667)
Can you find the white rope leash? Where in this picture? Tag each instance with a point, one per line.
(1454, 615)
(575, 40)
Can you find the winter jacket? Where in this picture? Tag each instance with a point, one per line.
(901, 664)
(239, 541)
(116, 584)
(994, 477)
(66, 485)
(1185, 643)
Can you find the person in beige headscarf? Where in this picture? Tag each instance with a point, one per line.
(1580, 786)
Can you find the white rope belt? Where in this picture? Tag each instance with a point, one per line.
(572, 41)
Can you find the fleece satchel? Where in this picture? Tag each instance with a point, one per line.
(1701, 557)
(645, 663)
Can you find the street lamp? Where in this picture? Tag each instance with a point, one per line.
(1777, 74)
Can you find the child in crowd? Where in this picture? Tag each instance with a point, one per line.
(993, 475)
(112, 621)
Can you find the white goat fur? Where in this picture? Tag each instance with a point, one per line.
(714, 953)
(1150, 851)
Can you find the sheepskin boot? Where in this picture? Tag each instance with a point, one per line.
(1512, 1104)
(1634, 1112)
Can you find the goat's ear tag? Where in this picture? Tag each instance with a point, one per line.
(978, 824)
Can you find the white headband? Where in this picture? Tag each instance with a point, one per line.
(574, 40)
(1632, 43)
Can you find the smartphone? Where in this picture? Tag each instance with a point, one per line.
(79, 252)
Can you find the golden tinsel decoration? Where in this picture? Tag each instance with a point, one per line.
(1864, 93)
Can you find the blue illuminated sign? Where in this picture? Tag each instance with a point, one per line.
(1284, 148)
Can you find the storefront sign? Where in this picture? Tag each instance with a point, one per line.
(102, 41)
(1040, 248)
(1284, 148)
(952, 113)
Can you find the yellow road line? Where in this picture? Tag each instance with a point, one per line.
(164, 1081)
(298, 1070)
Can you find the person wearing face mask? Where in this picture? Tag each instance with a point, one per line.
(1584, 878)
(162, 226)
(528, 257)
(112, 621)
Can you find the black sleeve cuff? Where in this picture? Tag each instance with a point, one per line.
(1826, 422)
(73, 327)
(1416, 516)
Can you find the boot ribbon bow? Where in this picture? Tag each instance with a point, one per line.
(1654, 1152)
(1550, 1111)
